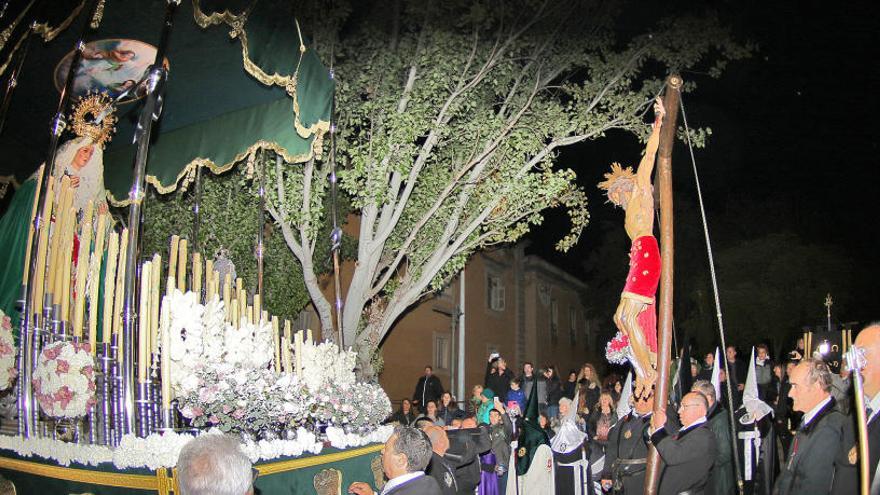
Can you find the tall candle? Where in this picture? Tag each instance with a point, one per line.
(227, 295)
(94, 279)
(166, 357)
(117, 307)
(66, 264)
(197, 275)
(210, 290)
(144, 321)
(57, 230)
(172, 265)
(82, 271)
(299, 347)
(257, 309)
(285, 348)
(30, 239)
(110, 287)
(276, 341)
(181, 265)
(42, 249)
(155, 278)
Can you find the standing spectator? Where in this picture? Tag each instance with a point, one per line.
(528, 379)
(810, 467)
(799, 353)
(405, 415)
(763, 371)
(570, 386)
(706, 370)
(448, 409)
(475, 401)
(738, 370)
(486, 403)
(554, 391)
(782, 407)
(589, 382)
(515, 394)
(431, 414)
(500, 434)
(498, 376)
(603, 417)
(404, 459)
(544, 423)
(214, 465)
(428, 388)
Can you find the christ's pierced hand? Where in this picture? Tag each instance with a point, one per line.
(659, 111)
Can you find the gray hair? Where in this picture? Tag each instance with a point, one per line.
(415, 446)
(819, 372)
(214, 465)
(706, 388)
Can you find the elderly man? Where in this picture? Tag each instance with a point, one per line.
(721, 480)
(688, 457)
(214, 465)
(810, 466)
(846, 480)
(404, 459)
(441, 469)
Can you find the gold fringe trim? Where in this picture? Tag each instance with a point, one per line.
(294, 464)
(13, 52)
(190, 168)
(161, 482)
(49, 34)
(237, 23)
(115, 479)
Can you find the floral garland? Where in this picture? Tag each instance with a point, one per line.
(161, 450)
(64, 379)
(8, 373)
(617, 350)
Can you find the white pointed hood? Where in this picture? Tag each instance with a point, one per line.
(716, 374)
(623, 405)
(755, 407)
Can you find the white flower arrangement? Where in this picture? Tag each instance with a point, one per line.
(221, 376)
(64, 379)
(160, 450)
(8, 373)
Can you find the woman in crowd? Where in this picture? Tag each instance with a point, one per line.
(554, 391)
(603, 417)
(487, 398)
(448, 409)
(544, 422)
(404, 415)
(475, 401)
(431, 414)
(589, 382)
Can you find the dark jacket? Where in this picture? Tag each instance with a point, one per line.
(721, 480)
(465, 447)
(627, 440)
(423, 485)
(687, 459)
(499, 383)
(404, 419)
(444, 473)
(846, 476)
(590, 395)
(428, 388)
(447, 414)
(569, 389)
(810, 466)
(554, 391)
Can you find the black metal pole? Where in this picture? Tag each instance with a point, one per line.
(26, 423)
(150, 113)
(13, 78)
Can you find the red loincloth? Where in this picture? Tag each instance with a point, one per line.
(641, 284)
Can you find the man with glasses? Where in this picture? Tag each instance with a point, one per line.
(689, 455)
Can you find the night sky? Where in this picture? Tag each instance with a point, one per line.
(793, 150)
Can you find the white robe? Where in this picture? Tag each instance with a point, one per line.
(538, 479)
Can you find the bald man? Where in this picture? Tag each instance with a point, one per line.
(688, 456)
(847, 480)
(440, 468)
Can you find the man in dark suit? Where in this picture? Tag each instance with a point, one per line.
(626, 452)
(688, 456)
(846, 481)
(722, 480)
(811, 464)
(428, 389)
(738, 371)
(404, 459)
(440, 468)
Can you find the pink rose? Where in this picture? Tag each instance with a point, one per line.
(214, 419)
(238, 414)
(64, 395)
(61, 366)
(50, 353)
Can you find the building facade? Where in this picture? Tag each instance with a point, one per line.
(518, 305)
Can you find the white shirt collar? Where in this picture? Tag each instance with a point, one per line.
(698, 422)
(809, 415)
(874, 404)
(401, 480)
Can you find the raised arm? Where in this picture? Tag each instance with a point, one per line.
(646, 166)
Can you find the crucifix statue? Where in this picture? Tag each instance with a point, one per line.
(636, 315)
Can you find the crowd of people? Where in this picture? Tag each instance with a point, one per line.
(792, 431)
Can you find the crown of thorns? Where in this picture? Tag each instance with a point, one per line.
(617, 173)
